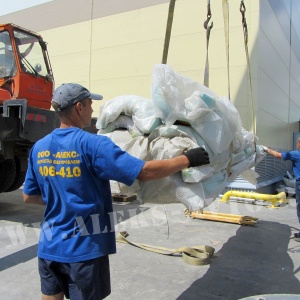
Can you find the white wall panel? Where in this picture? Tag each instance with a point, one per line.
(130, 27)
(239, 86)
(69, 50)
(69, 39)
(116, 52)
(271, 28)
(294, 113)
(120, 86)
(245, 115)
(117, 62)
(294, 93)
(295, 67)
(271, 63)
(278, 75)
(272, 128)
(71, 68)
(272, 99)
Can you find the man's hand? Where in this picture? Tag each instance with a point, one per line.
(197, 157)
(265, 148)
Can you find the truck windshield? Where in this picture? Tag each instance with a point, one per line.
(30, 54)
(7, 59)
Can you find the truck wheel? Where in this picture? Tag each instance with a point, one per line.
(7, 174)
(19, 177)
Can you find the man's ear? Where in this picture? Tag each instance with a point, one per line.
(78, 107)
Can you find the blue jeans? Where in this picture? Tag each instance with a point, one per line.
(298, 198)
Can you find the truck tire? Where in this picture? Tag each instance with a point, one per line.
(7, 174)
(19, 177)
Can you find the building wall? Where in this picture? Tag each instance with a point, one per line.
(279, 72)
(112, 46)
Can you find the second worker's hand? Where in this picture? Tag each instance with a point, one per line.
(197, 157)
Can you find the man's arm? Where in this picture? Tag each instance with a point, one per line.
(273, 152)
(156, 169)
(33, 199)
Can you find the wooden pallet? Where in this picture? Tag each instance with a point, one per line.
(123, 198)
(220, 217)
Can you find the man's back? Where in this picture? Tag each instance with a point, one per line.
(72, 169)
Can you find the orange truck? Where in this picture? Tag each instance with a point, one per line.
(26, 87)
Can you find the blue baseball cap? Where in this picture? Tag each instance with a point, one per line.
(69, 94)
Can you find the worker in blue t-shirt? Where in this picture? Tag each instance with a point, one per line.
(294, 156)
(69, 172)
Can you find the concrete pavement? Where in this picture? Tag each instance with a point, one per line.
(248, 260)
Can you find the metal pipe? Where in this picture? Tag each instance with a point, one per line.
(280, 198)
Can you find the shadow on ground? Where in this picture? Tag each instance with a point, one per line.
(255, 261)
(13, 209)
(18, 257)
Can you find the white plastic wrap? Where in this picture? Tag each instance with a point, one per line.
(122, 122)
(215, 125)
(168, 142)
(169, 91)
(140, 109)
(179, 98)
(247, 163)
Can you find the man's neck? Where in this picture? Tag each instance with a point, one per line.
(69, 122)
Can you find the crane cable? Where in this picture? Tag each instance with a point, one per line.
(208, 28)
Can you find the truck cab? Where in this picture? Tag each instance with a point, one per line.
(25, 70)
(26, 88)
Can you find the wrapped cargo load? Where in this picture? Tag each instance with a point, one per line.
(209, 121)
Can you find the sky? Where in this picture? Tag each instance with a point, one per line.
(9, 6)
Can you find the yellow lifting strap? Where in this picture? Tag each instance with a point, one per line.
(221, 217)
(225, 7)
(196, 255)
(245, 30)
(168, 36)
(208, 29)
(226, 30)
(168, 31)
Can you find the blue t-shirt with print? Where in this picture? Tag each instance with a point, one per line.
(71, 169)
(294, 156)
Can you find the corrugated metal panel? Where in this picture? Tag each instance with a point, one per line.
(271, 167)
(270, 170)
